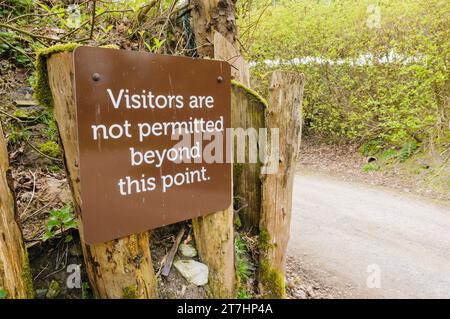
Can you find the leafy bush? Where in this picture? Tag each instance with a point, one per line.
(366, 79)
(60, 221)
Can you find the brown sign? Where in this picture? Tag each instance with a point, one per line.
(142, 163)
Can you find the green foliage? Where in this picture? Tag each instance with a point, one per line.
(86, 291)
(370, 167)
(60, 220)
(244, 267)
(243, 294)
(50, 148)
(371, 147)
(17, 134)
(237, 221)
(15, 7)
(153, 48)
(407, 150)
(387, 83)
(3, 294)
(49, 130)
(387, 155)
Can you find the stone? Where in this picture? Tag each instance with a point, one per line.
(40, 293)
(187, 250)
(193, 271)
(53, 290)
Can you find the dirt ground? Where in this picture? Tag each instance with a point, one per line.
(174, 286)
(301, 284)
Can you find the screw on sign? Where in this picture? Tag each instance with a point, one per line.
(144, 123)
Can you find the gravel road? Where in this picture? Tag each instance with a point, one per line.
(370, 242)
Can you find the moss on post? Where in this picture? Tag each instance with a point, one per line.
(27, 276)
(130, 292)
(41, 89)
(251, 93)
(273, 280)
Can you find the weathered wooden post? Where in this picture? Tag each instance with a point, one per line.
(284, 114)
(247, 117)
(121, 268)
(214, 234)
(15, 274)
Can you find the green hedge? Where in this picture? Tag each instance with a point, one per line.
(383, 80)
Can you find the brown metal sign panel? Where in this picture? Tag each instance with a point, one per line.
(128, 106)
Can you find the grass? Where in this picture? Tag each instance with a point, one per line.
(388, 156)
(245, 268)
(370, 167)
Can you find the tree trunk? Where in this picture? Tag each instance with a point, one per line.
(15, 274)
(121, 268)
(284, 112)
(209, 16)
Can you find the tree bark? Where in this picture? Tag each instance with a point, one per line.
(284, 113)
(209, 16)
(15, 274)
(121, 268)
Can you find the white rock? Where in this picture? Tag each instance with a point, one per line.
(187, 250)
(193, 271)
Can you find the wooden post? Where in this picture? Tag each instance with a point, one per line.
(225, 51)
(15, 274)
(247, 116)
(247, 113)
(214, 233)
(284, 113)
(121, 268)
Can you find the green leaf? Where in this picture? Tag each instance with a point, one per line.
(47, 235)
(3, 294)
(52, 224)
(70, 225)
(43, 6)
(68, 239)
(149, 48)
